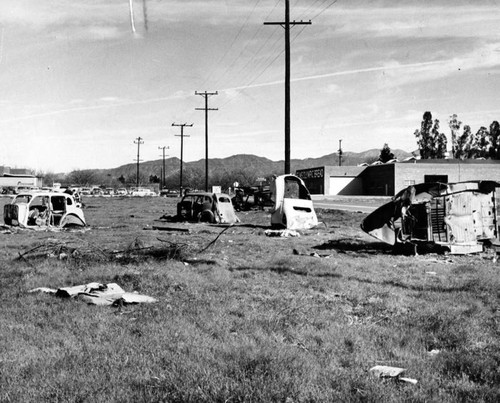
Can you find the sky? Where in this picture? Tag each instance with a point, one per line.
(80, 81)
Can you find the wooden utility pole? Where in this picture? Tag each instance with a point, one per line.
(206, 109)
(163, 171)
(182, 135)
(286, 25)
(138, 141)
(340, 152)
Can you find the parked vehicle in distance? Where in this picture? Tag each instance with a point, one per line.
(206, 207)
(108, 192)
(121, 192)
(143, 192)
(86, 191)
(97, 192)
(43, 209)
(169, 193)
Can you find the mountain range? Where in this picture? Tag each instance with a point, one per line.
(261, 166)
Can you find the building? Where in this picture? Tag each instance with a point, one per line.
(387, 179)
(17, 177)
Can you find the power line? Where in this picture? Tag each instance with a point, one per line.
(232, 42)
(326, 8)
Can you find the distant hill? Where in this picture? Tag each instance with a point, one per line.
(260, 165)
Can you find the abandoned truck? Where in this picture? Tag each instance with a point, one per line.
(44, 209)
(460, 217)
(293, 207)
(206, 207)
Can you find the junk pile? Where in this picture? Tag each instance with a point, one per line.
(98, 294)
(75, 251)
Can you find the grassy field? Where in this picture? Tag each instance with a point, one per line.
(246, 318)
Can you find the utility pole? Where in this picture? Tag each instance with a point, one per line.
(138, 141)
(182, 135)
(340, 152)
(163, 171)
(206, 109)
(286, 25)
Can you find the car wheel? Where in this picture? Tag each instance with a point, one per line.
(206, 216)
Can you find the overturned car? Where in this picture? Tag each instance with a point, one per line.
(206, 207)
(43, 209)
(460, 217)
(293, 207)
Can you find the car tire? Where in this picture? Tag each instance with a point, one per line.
(206, 216)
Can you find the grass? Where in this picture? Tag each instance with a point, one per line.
(246, 320)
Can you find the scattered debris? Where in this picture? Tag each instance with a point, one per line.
(75, 251)
(98, 294)
(313, 254)
(177, 229)
(281, 233)
(383, 371)
(433, 352)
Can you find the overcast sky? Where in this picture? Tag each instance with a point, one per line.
(78, 86)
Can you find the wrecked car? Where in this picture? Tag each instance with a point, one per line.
(206, 207)
(293, 207)
(43, 209)
(460, 217)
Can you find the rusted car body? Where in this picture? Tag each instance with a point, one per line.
(293, 207)
(44, 209)
(206, 207)
(460, 217)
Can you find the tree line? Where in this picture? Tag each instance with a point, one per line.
(433, 144)
(465, 144)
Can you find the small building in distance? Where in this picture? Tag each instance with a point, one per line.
(15, 177)
(389, 178)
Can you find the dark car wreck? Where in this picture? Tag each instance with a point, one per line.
(206, 207)
(461, 217)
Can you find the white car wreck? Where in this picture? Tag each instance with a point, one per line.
(293, 207)
(44, 209)
(460, 217)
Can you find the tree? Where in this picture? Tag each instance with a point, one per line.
(480, 147)
(439, 142)
(494, 152)
(454, 125)
(424, 138)
(385, 154)
(85, 177)
(463, 144)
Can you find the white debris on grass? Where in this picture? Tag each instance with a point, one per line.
(98, 294)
